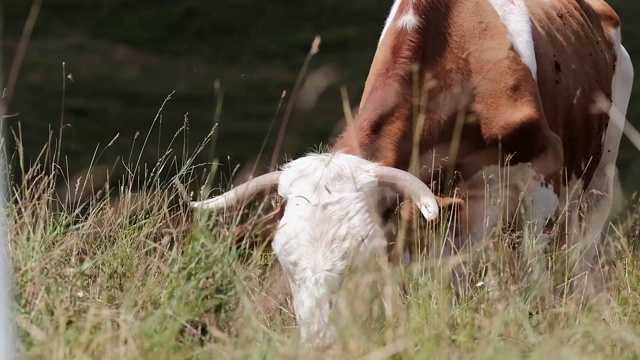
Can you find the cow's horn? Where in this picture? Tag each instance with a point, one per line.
(243, 193)
(409, 185)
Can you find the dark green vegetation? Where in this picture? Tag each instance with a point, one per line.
(125, 57)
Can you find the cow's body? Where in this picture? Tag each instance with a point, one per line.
(526, 71)
(531, 70)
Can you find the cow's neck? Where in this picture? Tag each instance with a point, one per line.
(384, 125)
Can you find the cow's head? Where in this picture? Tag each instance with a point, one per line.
(334, 211)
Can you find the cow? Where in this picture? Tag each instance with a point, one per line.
(525, 73)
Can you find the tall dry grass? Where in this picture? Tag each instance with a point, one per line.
(115, 266)
(128, 271)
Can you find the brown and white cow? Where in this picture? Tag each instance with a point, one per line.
(533, 69)
(526, 72)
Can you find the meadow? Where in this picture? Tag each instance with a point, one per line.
(130, 272)
(110, 263)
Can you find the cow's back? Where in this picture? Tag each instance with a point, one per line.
(516, 99)
(576, 61)
(529, 71)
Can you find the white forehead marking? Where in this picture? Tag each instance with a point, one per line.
(515, 16)
(392, 14)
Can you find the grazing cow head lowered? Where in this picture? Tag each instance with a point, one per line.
(333, 215)
(532, 68)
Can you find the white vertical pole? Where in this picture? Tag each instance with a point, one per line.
(7, 329)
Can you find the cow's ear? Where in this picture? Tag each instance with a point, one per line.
(263, 229)
(450, 205)
(449, 202)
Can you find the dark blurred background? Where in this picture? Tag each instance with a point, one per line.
(126, 57)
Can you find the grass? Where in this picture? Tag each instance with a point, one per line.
(119, 72)
(130, 272)
(110, 263)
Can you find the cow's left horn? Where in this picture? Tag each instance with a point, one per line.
(242, 193)
(409, 185)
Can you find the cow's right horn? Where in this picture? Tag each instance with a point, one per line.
(405, 183)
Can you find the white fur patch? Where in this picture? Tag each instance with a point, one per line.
(618, 197)
(392, 15)
(406, 258)
(544, 201)
(330, 220)
(496, 193)
(408, 20)
(575, 99)
(515, 16)
(622, 84)
(600, 191)
(570, 192)
(621, 87)
(322, 177)
(539, 200)
(598, 196)
(327, 220)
